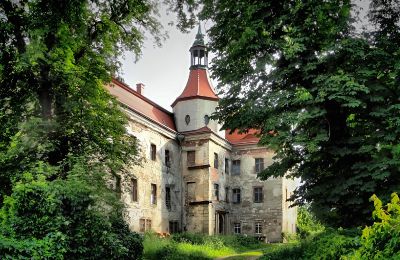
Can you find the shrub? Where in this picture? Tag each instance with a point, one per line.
(382, 239)
(307, 224)
(60, 219)
(330, 244)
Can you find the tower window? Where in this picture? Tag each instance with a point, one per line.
(258, 194)
(206, 119)
(215, 160)
(153, 151)
(187, 119)
(259, 165)
(191, 158)
(227, 194)
(226, 165)
(236, 196)
(236, 167)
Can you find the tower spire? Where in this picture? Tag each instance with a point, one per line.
(198, 51)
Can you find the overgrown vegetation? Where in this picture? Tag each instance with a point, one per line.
(196, 246)
(379, 241)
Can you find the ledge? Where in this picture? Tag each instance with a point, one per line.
(201, 166)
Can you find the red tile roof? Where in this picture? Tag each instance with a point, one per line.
(244, 138)
(141, 104)
(197, 86)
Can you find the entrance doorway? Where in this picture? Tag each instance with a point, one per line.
(220, 222)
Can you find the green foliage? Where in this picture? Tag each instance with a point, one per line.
(330, 244)
(196, 246)
(44, 219)
(61, 133)
(325, 96)
(307, 224)
(382, 239)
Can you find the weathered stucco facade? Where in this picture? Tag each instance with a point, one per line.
(195, 177)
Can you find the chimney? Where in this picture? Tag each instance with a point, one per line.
(140, 88)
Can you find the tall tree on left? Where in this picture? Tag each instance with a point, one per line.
(61, 134)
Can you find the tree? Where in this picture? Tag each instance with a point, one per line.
(57, 121)
(325, 97)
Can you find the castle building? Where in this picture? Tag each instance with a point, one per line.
(193, 176)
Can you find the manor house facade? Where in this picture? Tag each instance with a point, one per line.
(195, 177)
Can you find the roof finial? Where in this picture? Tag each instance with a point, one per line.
(199, 36)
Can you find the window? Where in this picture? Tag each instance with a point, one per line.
(153, 197)
(173, 227)
(258, 194)
(236, 167)
(118, 184)
(153, 151)
(258, 228)
(237, 228)
(134, 190)
(227, 194)
(236, 196)
(191, 158)
(226, 165)
(168, 198)
(167, 159)
(215, 160)
(144, 224)
(259, 165)
(216, 190)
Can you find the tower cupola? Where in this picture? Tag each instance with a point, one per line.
(198, 52)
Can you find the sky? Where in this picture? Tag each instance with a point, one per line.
(163, 70)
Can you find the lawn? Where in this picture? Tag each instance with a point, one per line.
(197, 246)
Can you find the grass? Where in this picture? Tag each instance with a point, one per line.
(197, 246)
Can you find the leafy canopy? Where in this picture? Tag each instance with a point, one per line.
(324, 94)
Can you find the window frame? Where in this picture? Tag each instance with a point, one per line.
(258, 228)
(167, 158)
(227, 166)
(258, 197)
(236, 164)
(258, 165)
(134, 190)
(236, 196)
(216, 191)
(237, 228)
(168, 198)
(153, 152)
(216, 162)
(153, 195)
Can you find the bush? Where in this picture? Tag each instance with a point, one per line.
(307, 224)
(330, 244)
(59, 219)
(382, 239)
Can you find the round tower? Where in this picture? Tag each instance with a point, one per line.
(198, 100)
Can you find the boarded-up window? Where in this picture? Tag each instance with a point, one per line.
(258, 194)
(226, 166)
(191, 158)
(153, 152)
(134, 190)
(168, 197)
(236, 196)
(191, 191)
(215, 160)
(236, 167)
(259, 162)
(153, 197)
